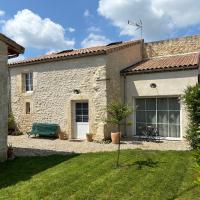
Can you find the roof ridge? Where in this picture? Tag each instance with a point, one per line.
(171, 55)
(97, 50)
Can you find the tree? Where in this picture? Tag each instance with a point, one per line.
(117, 113)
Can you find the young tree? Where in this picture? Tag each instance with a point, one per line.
(117, 113)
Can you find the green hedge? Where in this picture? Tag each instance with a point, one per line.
(191, 99)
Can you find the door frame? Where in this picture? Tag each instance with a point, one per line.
(73, 116)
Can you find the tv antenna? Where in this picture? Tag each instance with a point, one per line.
(138, 26)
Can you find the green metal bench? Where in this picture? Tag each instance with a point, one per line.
(44, 129)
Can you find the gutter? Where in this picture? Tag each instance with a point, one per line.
(13, 56)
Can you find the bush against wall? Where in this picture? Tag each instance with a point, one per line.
(191, 99)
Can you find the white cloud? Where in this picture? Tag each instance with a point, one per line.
(94, 29)
(2, 13)
(86, 13)
(30, 30)
(94, 40)
(19, 58)
(71, 29)
(160, 18)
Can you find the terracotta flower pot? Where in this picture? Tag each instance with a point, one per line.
(62, 136)
(89, 137)
(115, 136)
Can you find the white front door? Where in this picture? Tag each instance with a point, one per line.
(81, 120)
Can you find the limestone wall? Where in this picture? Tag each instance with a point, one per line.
(53, 95)
(117, 61)
(3, 101)
(172, 46)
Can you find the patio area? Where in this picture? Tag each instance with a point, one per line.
(24, 146)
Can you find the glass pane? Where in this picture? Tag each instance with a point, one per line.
(151, 117)
(140, 116)
(140, 104)
(140, 128)
(78, 112)
(162, 117)
(174, 104)
(85, 112)
(78, 118)
(163, 130)
(85, 106)
(174, 130)
(31, 76)
(150, 104)
(31, 87)
(78, 105)
(174, 117)
(85, 118)
(162, 104)
(27, 87)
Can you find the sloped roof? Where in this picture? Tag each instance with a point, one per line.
(13, 47)
(168, 63)
(99, 50)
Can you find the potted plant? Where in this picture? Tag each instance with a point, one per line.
(89, 137)
(117, 113)
(62, 135)
(9, 151)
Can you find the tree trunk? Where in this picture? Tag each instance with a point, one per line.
(118, 152)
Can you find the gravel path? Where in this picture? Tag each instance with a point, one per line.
(24, 146)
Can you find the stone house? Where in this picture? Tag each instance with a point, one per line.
(74, 87)
(8, 48)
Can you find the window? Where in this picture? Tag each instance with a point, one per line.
(29, 82)
(163, 113)
(28, 108)
(81, 112)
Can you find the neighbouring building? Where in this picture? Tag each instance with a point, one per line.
(74, 87)
(7, 48)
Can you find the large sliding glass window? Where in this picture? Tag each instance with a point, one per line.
(162, 113)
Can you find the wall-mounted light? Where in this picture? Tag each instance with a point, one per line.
(77, 91)
(153, 85)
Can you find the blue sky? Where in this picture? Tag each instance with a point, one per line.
(84, 23)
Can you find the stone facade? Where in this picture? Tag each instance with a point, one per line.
(99, 81)
(172, 46)
(3, 101)
(53, 98)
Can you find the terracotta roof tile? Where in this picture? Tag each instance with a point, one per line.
(99, 50)
(176, 62)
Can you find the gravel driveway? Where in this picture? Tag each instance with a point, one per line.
(24, 146)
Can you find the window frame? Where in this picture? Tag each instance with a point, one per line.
(82, 115)
(28, 108)
(28, 82)
(178, 135)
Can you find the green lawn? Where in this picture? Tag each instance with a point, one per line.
(149, 175)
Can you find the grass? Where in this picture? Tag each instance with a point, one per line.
(149, 175)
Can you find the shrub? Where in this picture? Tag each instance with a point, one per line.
(197, 156)
(11, 122)
(191, 99)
